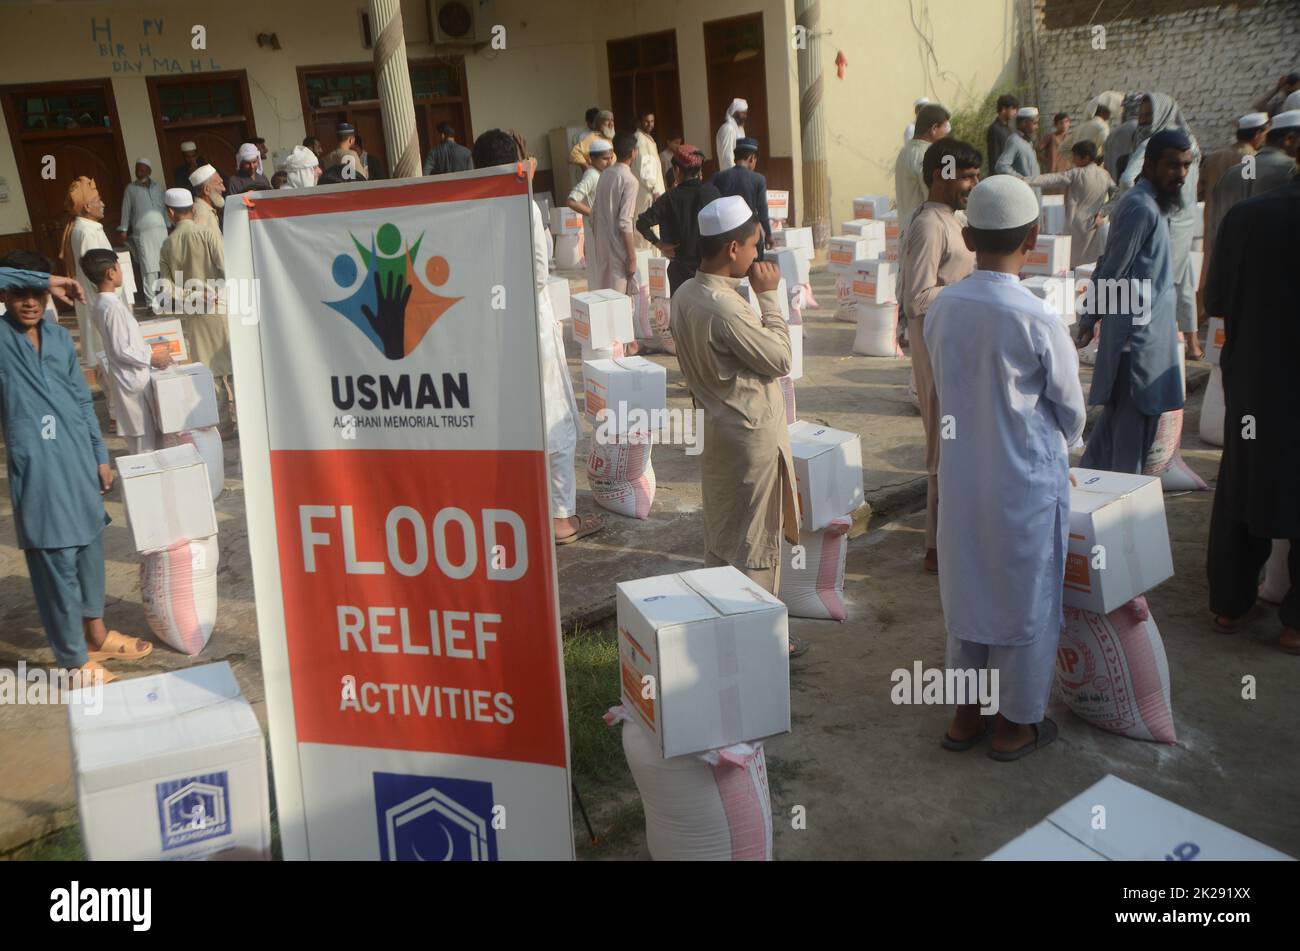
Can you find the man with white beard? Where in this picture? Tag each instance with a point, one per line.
(209, 197)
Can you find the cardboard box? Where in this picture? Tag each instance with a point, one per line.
(828, 470)
(659, 284)
(843, 250)
(1125, 515)
(623, 385)
(871, 206)
(1214, 337)
(891, 227)
(166, 336)
(565, 221)
(874, 280)
(1051, 218)
(643, 258)
(794, 266)
(167, 495)
(778, 205)
(172, 767)
(1051, 255)
(1059, 293)
(602, 317)
(782, 294)
(793, 238)
(1140, 827)
(1084, 271)
(545, 205)
(184, 398)
(864, 228)
(703, 659)
(557, 288)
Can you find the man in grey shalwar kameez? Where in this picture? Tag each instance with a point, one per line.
(1008, 377)
(1018, 157)
(144, 223)
(1138, 373)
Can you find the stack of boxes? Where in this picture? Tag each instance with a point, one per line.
(778, 209)
(643, 322)
(602, 323)
(185, 409)
(793, 254)
(873, 284)
(660, 303)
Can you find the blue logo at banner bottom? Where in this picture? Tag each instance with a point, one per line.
(434, 819)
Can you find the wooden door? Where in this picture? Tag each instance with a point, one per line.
(212, 110)
(75, 125)
(734, 63)
(643, 75)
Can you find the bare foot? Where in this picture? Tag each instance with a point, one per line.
(1011, 736)
(966, 723)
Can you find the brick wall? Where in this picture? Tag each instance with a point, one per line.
(1215, 60)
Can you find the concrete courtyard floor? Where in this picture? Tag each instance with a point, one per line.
(870, 775)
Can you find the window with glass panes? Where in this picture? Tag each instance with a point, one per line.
(199, 100)
(71, 110)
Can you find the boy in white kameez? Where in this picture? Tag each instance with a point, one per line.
(129, 356)
(1010, 404)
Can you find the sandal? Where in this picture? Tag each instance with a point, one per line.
(587, 525)
(117, 646)
(798, 647)
(960, 746)
(89, 677)
(1044, 732)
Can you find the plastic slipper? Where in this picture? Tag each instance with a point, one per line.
(798, 647)
(1044, 733)
(117, 646)
(587, 525)
(89, 677)
(960, 746)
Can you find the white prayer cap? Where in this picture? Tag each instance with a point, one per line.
(723, 214)
(1292, 101)
(301, 157)
(1001, 202)
(1287, 120)
(737, 105)
(1027, 112)
(201, 175)
(248, 152)
(923, 101)
(144, 161)
(178, 198)
(599, 145)
(1252, 120)
(189, 147)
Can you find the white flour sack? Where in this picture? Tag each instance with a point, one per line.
(812, 585)
(1277, 578)
(877, 334)
(710, 807)
(568, 251)
(208, 443)
(179, 588)
(787, 390)
(621, 477)
(1213, 410)
(1164, 459)
(1113, 673)
(661, 313)
(846, 310)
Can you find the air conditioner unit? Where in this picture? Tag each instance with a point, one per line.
(462, 22)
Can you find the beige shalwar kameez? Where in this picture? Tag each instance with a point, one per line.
(1087, 189)
(732, 361)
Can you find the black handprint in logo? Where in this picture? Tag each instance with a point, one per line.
(390, 324)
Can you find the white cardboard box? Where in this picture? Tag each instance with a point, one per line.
(794, 266)
(565, 221)
(184, 398)
(778, 205)
(1051, 218)
(633, 381)
(828, 470)
(1214, 337)
(864, 228)
(643, 258)
(703, 659)
(1057, 292)
(558, 289)
(166, 335)
(1140, 827)
(782, 293)
(1125, 515)
(891, 228)
(793, 238)
(600, 317)
(168, 496)
(874, 280)
(173, 767)
(659, 286)
(870, 206)
(843, 250)
(1051, 255)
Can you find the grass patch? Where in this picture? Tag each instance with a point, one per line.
(971, 120)
(591, 675)
(63, 846)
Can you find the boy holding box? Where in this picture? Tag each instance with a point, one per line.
(58, 470)
(129, 357)
(1010, 404)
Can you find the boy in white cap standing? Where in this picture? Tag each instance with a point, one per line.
(730, 132)
(1018, 156)
(144, 222)
(248, 177)
(583, 195)
(1007, 377)
(732, 359)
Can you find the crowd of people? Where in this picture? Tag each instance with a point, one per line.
(984, 350)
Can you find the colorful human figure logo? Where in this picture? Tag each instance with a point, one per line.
(392, 306)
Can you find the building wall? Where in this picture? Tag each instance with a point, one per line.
(1214, 60)
(545, 77)
(951, 51)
